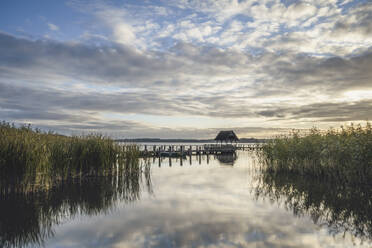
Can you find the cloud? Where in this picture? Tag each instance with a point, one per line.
(185, 80)
(227, 63)
(327, 112)
(357, 22)
(115, 19)
(53, 27)
(314, 24)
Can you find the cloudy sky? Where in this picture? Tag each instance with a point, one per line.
(185, 68)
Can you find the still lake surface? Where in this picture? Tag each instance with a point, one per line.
(214, 201)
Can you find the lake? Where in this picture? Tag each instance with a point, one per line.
(214, 201)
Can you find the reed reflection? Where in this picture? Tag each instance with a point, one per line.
(345, 209)
(28, 213)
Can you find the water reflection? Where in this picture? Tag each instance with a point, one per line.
(223, 159)
(28, 214)
(341, 208)
(227, 159)
(202, 205)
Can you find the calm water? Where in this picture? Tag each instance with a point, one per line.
(205, 202)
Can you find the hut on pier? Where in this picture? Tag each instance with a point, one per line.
(227, 137)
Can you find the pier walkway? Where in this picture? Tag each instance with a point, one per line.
(188, 150)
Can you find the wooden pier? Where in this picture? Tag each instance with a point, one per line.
(189, 150)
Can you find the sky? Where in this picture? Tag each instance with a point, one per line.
(185, 68)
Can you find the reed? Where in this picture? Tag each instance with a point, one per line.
(344, 155)
(344, 209)
(29, 155)
(29, 218)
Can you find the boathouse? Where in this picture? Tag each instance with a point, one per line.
(227, 137)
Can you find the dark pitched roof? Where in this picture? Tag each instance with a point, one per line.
(226, 136)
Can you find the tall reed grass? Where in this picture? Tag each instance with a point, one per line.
(344, 155)
(29, 155)
(344, 209)
(29, 218)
